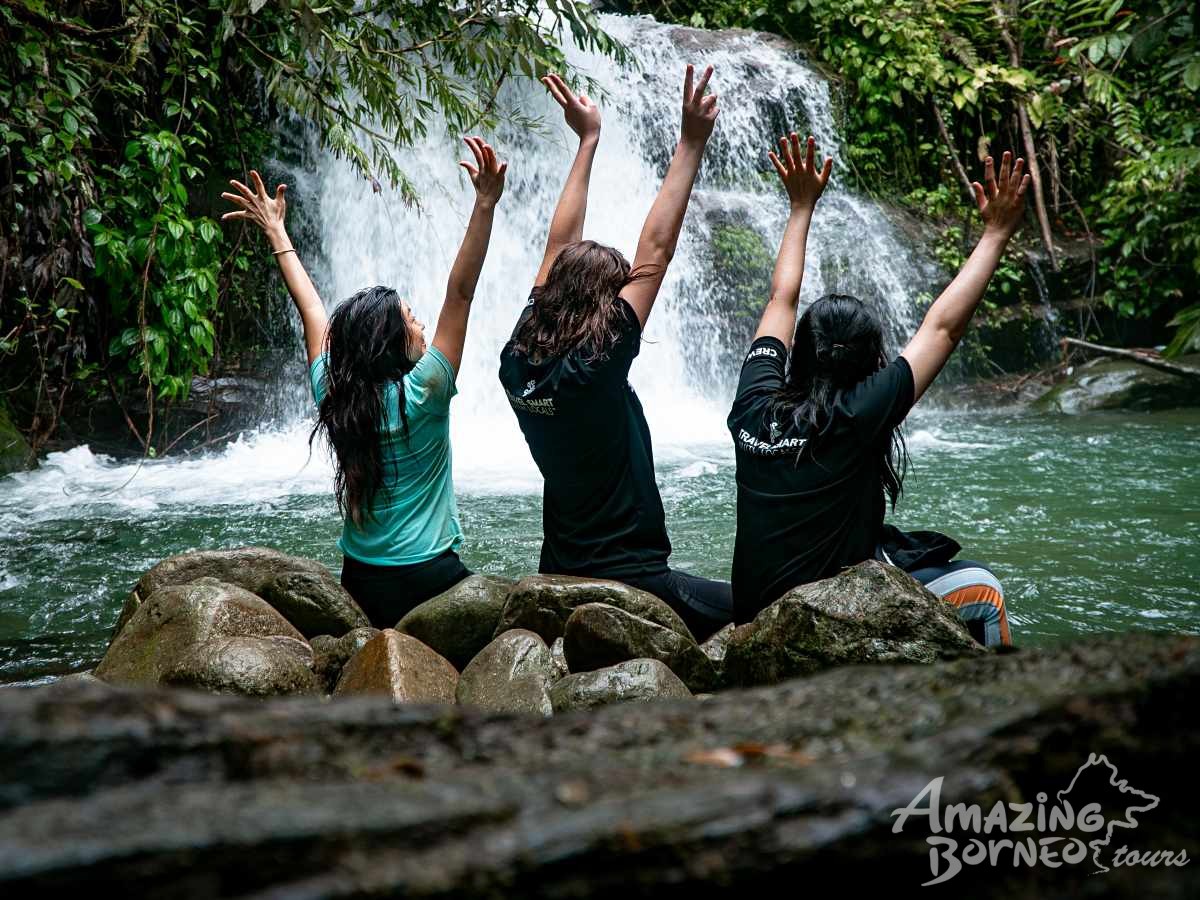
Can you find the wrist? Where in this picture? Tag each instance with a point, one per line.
(803, 207)
(277, 237)
(994, 235)
(486, 204)
(589, 139)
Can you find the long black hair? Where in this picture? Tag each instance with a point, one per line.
(838, 343)
(369, 348)
(577, 306)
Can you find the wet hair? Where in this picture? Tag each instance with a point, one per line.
(576, 307)
(839, 343)
(369, 348)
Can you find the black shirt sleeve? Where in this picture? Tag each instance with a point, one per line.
(880, 401)
(762, 376)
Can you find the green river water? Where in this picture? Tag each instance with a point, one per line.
(1092, 523)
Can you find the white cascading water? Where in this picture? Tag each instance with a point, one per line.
(688, 362)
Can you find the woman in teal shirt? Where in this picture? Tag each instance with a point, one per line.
(383, 401)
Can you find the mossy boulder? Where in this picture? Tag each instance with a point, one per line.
(632, 680)
(598, 635)
(511, 674)
(177, 619)
(460, 622)
(871, 613)
(1122, 384)
(331, 654)
(543, 603)
(15, 452)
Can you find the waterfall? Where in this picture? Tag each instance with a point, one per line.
(351, 237)
(693, 341)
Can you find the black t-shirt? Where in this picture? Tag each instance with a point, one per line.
(808, 505)
(601, 511)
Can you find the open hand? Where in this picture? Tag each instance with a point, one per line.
(1002, 201)
(699, 112)
(798, 170)
(257, 205)
(487, 174)
(581, 113)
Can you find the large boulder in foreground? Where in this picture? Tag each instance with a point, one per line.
(253, 568)
(1122, 384)
(511, 674)
(460, 622)
(251, 666)
(634, 679)
(175, 620)
(401, 668)
(871, 613)
(153, 792)
(598, 635)
(543, 603)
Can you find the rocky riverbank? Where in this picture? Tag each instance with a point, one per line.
(257, 622)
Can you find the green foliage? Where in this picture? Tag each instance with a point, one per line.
(120, 121)
(1111, 90)
(743, 262)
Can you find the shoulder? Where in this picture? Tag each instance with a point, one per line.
(767, 349)
(882, 399)
(317, 370)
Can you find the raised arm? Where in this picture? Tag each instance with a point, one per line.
(487, 174)
(804, 183)
(1001, 204)
(566, 227)
(268, 213)
(660, 234)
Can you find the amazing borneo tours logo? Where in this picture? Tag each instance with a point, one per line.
(1041, 833)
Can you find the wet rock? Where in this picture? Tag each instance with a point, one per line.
(331, 654)
(460, 622)
(314, 602)
(634, 679)
(871, 613)
(511, 674)
(714, 648)
(251, 666)
(559, 655)
(247, 567)
(598, 635)
(400, 667)
(175, 619)
(1121, 384)
(79, 678)
(543, 603)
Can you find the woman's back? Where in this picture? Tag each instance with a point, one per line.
(809, 502)
(413, 515)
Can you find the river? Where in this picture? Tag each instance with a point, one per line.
(1092, 522)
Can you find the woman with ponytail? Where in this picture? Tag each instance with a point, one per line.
(816, 419)
(383, 405)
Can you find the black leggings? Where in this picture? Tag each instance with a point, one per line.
(704, 605)
(387, 593)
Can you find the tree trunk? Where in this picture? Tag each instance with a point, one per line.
(958, 166)
(1146, 359)
(168, 793)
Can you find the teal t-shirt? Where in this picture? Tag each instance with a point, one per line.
(414, 514)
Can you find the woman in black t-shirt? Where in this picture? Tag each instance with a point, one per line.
(818, 407)
(565, 372)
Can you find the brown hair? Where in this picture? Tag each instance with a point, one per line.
(576, 307)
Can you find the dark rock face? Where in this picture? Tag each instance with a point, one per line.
(15, 453)
(598, 635)
(511, 674)
(1122, 384)
(251, 666)
(331, 654)
(871, 613)
(461, 621)
(175, 793)
(632, 680)
(542, 604)
(176, 620)
(247, 567)
(314, 602)
(401, 668)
